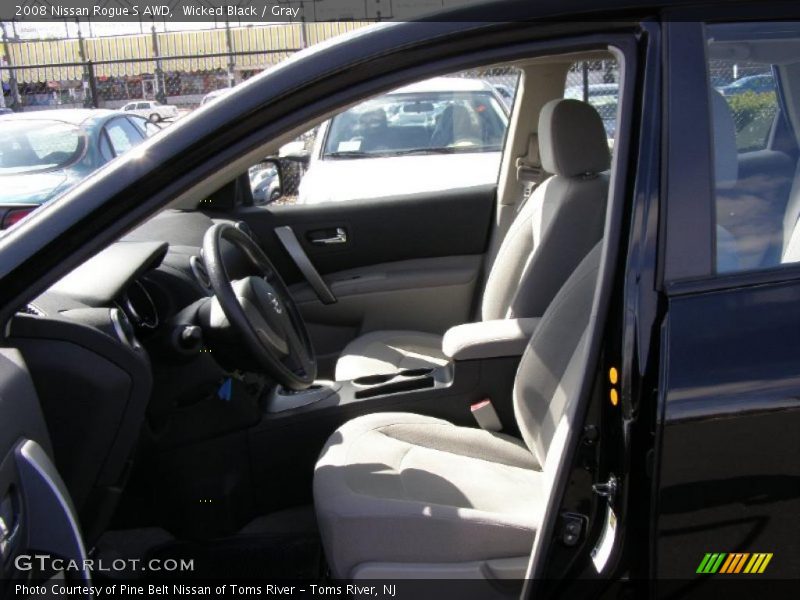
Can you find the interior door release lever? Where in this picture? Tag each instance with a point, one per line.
(339, 237)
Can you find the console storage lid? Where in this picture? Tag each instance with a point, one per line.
(488, 339)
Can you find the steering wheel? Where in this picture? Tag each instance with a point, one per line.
(261, 310)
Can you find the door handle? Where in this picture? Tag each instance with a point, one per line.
(339, 237)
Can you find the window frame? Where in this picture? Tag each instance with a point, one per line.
(687, 250)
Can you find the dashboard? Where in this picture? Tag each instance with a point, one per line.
(95, 343)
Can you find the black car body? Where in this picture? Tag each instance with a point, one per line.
(692, 441)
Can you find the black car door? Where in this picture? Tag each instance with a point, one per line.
(727, 492)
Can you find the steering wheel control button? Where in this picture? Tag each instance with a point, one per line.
(191, 337)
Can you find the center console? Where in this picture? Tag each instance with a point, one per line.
(479, 356)
(269, 464)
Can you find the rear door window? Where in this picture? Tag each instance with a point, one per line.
(123, 135)
(755, 144)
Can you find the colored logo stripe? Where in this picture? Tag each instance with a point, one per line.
(735, 562)
(711, 562)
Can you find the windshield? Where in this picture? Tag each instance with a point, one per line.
(418, 123)
(38, 145)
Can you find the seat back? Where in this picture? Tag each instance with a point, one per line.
(561, 221)
(548, 378)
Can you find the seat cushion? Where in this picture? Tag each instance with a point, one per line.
(405, 488)
(381, 352)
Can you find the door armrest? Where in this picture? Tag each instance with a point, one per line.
(488, 339)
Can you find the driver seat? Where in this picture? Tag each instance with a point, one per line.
(405, 495)
(558, 225)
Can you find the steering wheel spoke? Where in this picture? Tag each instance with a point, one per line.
(261, 310)
(298, 353)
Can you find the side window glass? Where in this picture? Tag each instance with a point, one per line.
(750, 90)
(755, 144)
(123, 135)
(596, 82)
(439, 134)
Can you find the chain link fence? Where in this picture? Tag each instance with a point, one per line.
(181, 81)
(171, 67)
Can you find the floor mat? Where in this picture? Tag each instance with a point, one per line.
(280, 545)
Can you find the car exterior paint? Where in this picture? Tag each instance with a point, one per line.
(39, 187)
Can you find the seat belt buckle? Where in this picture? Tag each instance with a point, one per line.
(486, 416)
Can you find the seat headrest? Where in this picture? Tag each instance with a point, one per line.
(726, 158)
(572, 139)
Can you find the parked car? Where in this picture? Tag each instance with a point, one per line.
(440, 134)
(265, 184)
(757, 84)
(152, 110)
(214, 95)
(43, 154)
(587, 390)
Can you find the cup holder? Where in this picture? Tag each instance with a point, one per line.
(416, 372)
(373, 379)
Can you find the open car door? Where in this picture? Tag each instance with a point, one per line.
(36, 514)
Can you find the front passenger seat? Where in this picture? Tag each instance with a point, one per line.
(558, 225)
(403, 495)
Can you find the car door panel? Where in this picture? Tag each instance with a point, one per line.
(431, 294)
(405, 263)
(36, 512)
(452, 223)
(729, 475)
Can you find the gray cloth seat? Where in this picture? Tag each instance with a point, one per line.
(417, 496)
(561, 221)
(419, 478)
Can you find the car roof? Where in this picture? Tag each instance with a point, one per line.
(75, 116)
(445, 84)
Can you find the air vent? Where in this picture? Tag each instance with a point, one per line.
(31, 309)
(200, 273)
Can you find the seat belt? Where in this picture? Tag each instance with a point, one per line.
(529, 169)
